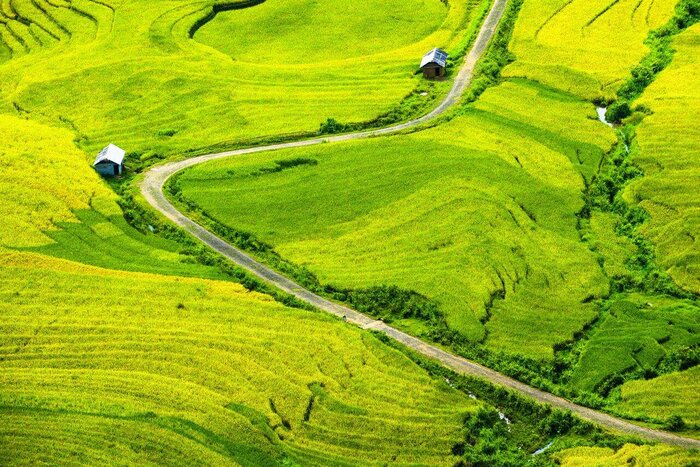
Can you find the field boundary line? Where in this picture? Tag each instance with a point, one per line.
(152, 189)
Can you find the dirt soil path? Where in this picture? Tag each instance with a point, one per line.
(152, 189)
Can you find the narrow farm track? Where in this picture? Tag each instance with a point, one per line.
(152, 189)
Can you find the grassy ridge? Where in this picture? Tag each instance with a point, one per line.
(665, 320)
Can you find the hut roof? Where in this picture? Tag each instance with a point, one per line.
(111, 153)
(437, 56)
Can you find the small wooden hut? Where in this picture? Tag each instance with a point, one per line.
(110, 161)
(434, 63)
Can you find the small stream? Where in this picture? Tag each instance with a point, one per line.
(542, 450)
(601, 115)
(602, 111)
(503, 417)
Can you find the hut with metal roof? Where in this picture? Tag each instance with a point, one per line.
(434, 63)
(110, 161)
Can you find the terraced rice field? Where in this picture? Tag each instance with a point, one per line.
(171, 370)
(668, 140)
(55, 204)
(104, 366)
(586, 47)
(661, 456)
(635, 334)
(129, 73)
(119, 346)
(659, 398)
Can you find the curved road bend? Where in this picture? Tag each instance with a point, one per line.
(152, 189)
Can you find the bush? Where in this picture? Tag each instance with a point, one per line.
(680, 359)
(489, 443)
(391, 302)
(167, 132)
(331, 126)
(557, 423)
(618, 111)
(674, 423)
(286, 164)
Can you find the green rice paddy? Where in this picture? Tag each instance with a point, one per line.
(669, 150)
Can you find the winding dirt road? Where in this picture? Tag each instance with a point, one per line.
(152, 189)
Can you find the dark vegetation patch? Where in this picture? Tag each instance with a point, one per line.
(285, 165)
(166, 132)
(218, 8)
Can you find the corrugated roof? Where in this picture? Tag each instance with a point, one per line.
(111, 153)
(437, 56)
